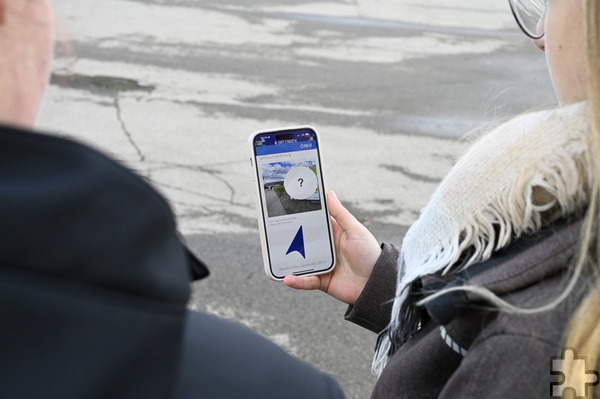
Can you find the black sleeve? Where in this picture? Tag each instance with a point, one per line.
(373, 308)
(226, 360)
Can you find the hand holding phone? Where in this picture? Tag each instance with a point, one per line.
(357, 251)
(294, 224)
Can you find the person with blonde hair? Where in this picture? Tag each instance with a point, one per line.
(476, 302)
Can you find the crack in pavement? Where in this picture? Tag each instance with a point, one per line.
(230, 201)
(104, 86)
(126, 132)
(411, 175)
(204, 169)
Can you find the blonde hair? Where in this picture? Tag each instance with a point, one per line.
(584, 331)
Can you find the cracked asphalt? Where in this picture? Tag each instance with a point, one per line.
(174, 88)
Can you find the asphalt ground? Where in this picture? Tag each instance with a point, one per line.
(174, 88)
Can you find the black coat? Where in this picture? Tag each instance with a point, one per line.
(94, 283)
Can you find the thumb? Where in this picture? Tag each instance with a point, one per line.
(303, 283)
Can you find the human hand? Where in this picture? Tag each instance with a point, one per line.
(357, 250)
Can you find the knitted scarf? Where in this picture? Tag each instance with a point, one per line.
(521, 176)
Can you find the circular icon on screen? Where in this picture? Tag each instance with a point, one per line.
(300, 182)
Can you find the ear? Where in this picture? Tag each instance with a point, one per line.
(2, 11)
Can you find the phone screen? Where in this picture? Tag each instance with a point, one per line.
(296, 221)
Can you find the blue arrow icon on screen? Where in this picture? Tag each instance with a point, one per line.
(297, 244)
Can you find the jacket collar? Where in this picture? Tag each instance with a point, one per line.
(527, 261)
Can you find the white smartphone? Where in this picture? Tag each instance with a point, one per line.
(294, 225)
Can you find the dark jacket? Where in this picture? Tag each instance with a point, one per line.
(467, 349)
(94, 283)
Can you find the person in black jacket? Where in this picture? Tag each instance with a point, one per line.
(94, 278)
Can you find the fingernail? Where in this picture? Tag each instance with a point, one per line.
(334, 196)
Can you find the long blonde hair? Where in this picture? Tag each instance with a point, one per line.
(584, 332)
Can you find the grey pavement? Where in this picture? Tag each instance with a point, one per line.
(173, 90)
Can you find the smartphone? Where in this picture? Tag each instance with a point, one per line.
(294, 225)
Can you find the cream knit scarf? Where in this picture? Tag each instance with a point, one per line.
(519, 177)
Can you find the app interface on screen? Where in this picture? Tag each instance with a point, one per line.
(297, 226)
